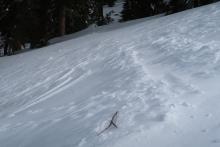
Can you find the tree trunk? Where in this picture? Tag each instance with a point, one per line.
(6, 45)
(197, 3)
(62, 21)
(5, 49)
(100, 13)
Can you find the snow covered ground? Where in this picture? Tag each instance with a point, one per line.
(161, 75)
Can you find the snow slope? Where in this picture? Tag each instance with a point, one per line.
(162, 76)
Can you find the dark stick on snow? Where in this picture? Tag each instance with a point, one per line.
(112, 123)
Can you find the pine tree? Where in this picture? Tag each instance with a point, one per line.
(134, 9)
(180, 5)
(10, 26)
(98, 12)
(71, 15)
(110, 3)
(40, 20)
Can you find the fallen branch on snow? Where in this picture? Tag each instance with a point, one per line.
(112, 123)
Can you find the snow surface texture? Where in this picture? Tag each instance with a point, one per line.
(162, 76)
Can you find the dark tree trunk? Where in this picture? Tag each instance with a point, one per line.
(196, 3)
(5, 49)
(62, 21)
(101, 19)
(100, 7)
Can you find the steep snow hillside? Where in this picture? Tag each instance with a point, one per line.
(161, 76)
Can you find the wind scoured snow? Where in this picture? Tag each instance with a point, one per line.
(161, 75)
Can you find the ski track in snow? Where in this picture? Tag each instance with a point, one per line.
(160, 75)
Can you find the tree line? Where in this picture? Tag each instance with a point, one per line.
(37, 21)
(134, 9)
